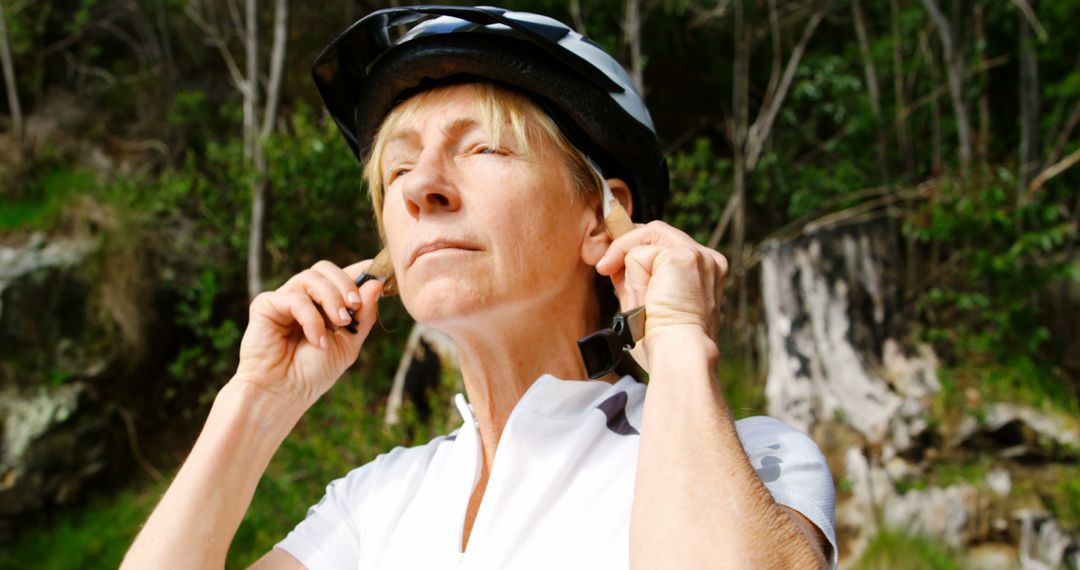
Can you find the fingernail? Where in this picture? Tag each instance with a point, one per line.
(343, 313)
(600, 264)
(322, 341)
(354, 298)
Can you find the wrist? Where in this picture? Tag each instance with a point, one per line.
(268, 412)
(679, 343)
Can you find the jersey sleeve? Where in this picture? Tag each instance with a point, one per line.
(794, 470)
(329, 537)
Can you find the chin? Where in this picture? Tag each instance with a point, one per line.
(444, 300)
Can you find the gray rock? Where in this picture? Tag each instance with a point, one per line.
(54, 352)
(829, 303)
(1044, 545)
(999, 481)
(1018, 427)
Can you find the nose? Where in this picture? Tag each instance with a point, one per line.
(427, 190)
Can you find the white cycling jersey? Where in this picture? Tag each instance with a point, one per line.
(558, 495)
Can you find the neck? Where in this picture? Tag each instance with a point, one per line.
(501, 359)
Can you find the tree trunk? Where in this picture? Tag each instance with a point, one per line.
(872, 88)
(936, 161)
(835, 335)
(576, 16)
(954, 69)
(9, 80)
(269, 117)
(427, 353)
(759, 132)
(251, 81)
(741, 103)
(1028, 158)
(253, 152)
(632, 37)
(903, 136)
(982, 142)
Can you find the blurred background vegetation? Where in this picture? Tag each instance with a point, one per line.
(134, 121)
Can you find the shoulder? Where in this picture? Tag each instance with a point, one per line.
(793, 469)
(334, 528)
(394, 471)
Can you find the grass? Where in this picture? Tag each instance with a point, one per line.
(94, 536)
(897, 550)
(41, 205)
(1018, 381)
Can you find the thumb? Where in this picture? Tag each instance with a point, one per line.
(636, 275)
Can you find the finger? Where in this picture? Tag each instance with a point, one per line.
(323, 292)
(354, 270)
(340, 280)
(721, 262)
(363, 319)
(370, 293)
(290, 308)
(656, 232)
(638, 267)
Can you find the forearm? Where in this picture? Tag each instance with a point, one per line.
(698, 502)
(197, 518)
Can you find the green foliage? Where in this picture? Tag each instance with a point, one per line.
(981, 315)
(38, 204)
(215, 340)
(827, 114)
(700, 186)
(318, 204)
(1067, 491)
(898, 550)
(972, 471)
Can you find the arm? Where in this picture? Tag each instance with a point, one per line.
(698, 503)
(197, 518)
(288, 359)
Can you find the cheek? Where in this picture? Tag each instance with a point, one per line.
(395, 226)
(539, 241)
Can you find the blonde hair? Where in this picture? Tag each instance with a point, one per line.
(499, 107)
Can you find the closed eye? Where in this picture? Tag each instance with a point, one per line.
(396, 173)
(488, 149)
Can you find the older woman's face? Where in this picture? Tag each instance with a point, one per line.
(474, 226)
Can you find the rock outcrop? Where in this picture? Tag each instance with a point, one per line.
(57, 349)
(842, 367)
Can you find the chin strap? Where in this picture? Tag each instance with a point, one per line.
(603, 350)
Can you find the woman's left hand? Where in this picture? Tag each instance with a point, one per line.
(679, 281)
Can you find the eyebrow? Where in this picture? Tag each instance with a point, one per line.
(454, 128)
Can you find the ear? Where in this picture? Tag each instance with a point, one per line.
(596, 240)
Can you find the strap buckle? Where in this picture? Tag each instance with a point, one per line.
(603, 350)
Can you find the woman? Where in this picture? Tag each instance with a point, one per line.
(483, 131)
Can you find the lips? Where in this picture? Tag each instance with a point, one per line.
(440, 244)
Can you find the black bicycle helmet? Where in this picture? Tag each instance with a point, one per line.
(363, 74)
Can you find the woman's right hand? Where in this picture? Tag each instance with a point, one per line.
(289, 349)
